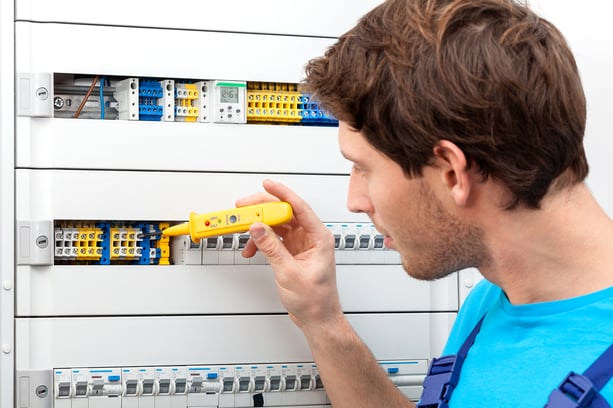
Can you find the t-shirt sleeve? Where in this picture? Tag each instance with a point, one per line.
(477, 303)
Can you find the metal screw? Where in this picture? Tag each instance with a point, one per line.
(58, 102)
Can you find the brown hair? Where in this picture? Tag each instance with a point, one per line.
(488, 75)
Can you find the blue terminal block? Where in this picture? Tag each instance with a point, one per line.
(148, 111)
(148, 88)
(150, 254)
(145, 245)
(105, 259)
(155, 260)
(311, 114)
(315, 116)
(149, 93)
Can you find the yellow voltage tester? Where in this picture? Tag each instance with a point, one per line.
(231, 221)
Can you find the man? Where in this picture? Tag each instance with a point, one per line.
(464, 121)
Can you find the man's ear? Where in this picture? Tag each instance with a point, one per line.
(455, 174)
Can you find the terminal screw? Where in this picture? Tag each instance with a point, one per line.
(58, 102)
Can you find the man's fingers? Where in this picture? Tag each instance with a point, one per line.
(268, 243)
(303, 214)
(260, 197)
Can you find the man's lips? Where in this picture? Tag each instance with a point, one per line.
(388, 241)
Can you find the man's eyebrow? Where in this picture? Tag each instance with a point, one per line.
(354, 162)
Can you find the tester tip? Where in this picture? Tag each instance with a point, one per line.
(179, 229)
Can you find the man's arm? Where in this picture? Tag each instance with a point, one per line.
(351, 375)
(301, 254)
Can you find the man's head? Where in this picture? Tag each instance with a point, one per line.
(488, 75)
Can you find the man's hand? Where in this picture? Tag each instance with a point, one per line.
(301, 254)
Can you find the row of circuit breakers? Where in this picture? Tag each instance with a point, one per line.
(180, 100)
(141, 243)
(210, 386)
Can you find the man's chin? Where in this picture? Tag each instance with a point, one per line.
(424, 274)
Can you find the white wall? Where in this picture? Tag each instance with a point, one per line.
(588, 29)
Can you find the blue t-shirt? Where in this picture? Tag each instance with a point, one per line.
(523, 352)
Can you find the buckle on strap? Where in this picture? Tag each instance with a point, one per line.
(442, 378)
(576, 391)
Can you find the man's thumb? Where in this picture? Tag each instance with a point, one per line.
(267, 241)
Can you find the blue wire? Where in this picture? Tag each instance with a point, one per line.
(102, 98)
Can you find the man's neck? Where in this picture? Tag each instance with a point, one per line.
(563, 250)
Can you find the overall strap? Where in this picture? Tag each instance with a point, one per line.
(444, 374)
(583, 390)
(601, 370)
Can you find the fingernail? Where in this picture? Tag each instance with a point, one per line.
(257, 230)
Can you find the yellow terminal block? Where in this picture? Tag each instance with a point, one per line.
(186, 102)
(272, 102)
(88, 243)
(231, 221)
(163, 245)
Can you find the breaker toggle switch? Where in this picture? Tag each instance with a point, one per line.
(180, 385)
(148, 386)
(261, 384)
(228, 243)
(307, 382)
(164, 386)
(378, 242)
(63, 390)
(276, 383)
(246, 384)
(290, 383)
(131, 387)
(230, 385)
(365, 237)
(80, 389)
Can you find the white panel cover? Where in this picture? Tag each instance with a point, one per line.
(161, 196)
(213, 289)
(119, 144)
(316, 17)
(163, 53)
(123, 341)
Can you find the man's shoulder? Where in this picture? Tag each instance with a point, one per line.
(477, 303)
(481, 297)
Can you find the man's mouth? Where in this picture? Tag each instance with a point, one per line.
(388, 242)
